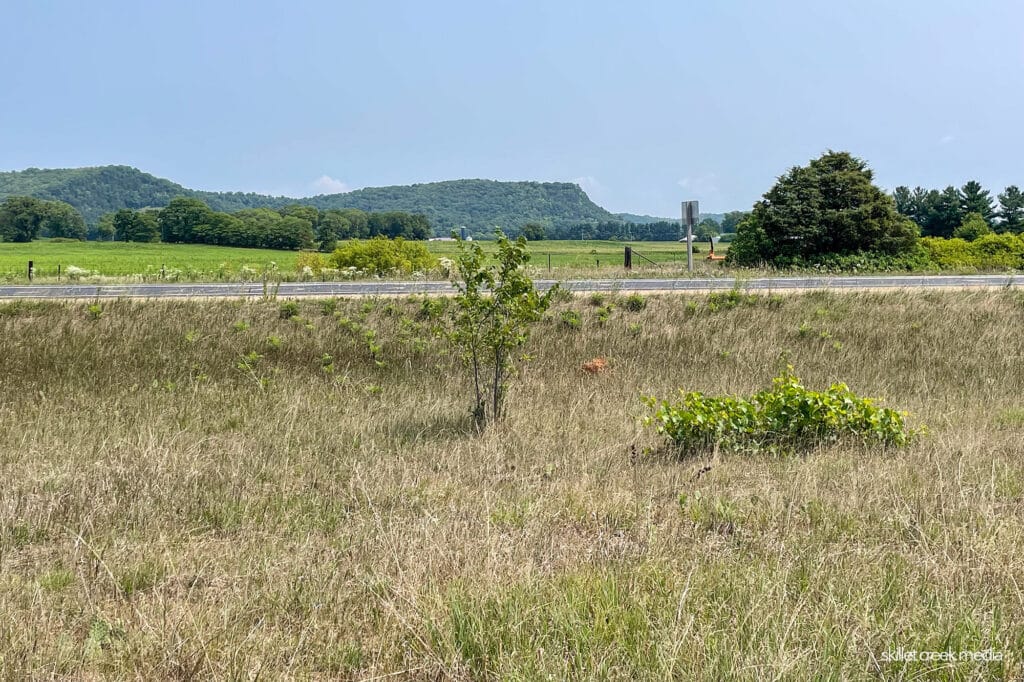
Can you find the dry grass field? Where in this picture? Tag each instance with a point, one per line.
(214, 491)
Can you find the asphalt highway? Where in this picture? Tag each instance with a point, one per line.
(405, 288)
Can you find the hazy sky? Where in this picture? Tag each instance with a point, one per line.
(644, 104)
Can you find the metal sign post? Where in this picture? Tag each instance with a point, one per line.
(691, 216)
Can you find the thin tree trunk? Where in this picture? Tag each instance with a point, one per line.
(479, 408)
(496, 411)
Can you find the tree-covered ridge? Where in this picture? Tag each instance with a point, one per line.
(480, 205)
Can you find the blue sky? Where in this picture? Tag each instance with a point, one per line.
(644, 104)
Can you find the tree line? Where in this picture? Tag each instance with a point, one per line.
(190, 221)
(660, 231)
(831, 210)
(941, 213)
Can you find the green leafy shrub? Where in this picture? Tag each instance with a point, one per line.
(288, 310)
(783, 417)
(915, 259)
(987, 252)
(571, 319)
(634, 303)
(973, 226)
(383, 256)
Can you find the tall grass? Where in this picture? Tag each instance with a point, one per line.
(192, 491)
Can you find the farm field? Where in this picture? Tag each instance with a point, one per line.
(213, 490)
(198, 262)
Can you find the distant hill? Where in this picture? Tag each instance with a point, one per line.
(648, 219)
(478, 204)
(95, 191)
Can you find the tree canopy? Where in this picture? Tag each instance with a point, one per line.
(830, 206)
(940, 213)
(187, 220)
(23, 219)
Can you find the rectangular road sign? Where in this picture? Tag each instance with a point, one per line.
(691, 213)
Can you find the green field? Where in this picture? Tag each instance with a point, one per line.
(120, 259)
(197, 262)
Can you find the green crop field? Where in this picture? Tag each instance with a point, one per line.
(295, 490)
(196, 262)
(118, 259)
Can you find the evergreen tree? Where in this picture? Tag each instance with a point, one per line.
(1011, 210)
(830, 206)
(975, 199)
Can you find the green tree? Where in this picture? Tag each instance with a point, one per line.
(974, 226)
(975, 199)
(1011, 210)
(830, 206)
(333, 226)
(732, 219)
(180, 217)
(309, 213)
(136, 226)
(105, 228)
(905, 203)
(705, 230)
(220, 229)
(21, 218)
(62, 220)
(944, 212)
(936, 213)
(496, 306)
(534, 232)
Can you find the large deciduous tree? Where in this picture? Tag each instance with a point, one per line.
(534, 232)
(136, 226)
(62, 220)
(23, 219)
(830, 206)
(181, 217)
(732, 219)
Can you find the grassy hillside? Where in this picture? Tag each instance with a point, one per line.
(477, 204)
(194, 491)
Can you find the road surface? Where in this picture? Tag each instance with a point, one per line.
(403, 288)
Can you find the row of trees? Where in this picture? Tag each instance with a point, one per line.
(940, 213)
(662, 231)
(23, 219)
(648, 232)
(190, 221)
